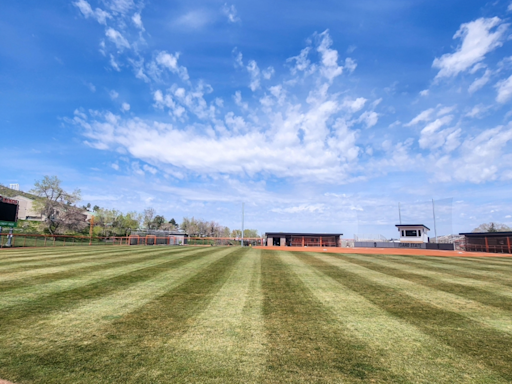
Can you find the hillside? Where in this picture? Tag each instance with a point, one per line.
(8, 192)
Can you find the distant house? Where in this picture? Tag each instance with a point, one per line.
(26, 209)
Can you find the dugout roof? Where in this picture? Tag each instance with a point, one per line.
(284, 234)
(486, 234)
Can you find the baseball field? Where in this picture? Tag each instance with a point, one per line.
(239, 315)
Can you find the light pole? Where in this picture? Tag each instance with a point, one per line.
(243, 206)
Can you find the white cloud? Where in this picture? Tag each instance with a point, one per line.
(195, 19)
(230, 12)
(114, 63)
(477, 111)
(117, 38)
(480, 82)
(137, 20)
(481, 158)
(239, 102)
(330, 68)
(149, 169)
(301, 208)
(424, 93)
(350, 65)
(100, 15)
(91, 86)
(504, 90)
(115, 166)
(268, 73)
(354, 105)
(423, 116)
(369, 118)
(445, 110)
(121, 6)
(432, 137)
(170, 62)
(302, 63)
(125, 107)
(254, 71)
(477, 41)
(113, 94)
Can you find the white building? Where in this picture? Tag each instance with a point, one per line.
(26, 210)
(413, 233)
(16, 187)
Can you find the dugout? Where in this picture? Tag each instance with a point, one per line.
(494, 242)
(299, 239)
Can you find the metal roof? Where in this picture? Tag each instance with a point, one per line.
(301, 234)
(486, 234)
(412, 225)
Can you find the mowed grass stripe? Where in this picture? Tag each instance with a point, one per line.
(228, 336)
(9, 276)
(471, 337)
(492, 287)
(128, 258)
(138, 347)
(477, 272)
(484, 261)
(305, 342)
(18, 316)
(467, 300)
(24, 295)
(89, 314)
(31, 254)
(66, 258)
(400, 346)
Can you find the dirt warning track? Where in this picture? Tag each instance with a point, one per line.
(389, 251)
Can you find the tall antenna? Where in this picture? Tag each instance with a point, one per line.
(434, 214)
(399, 213)
(243, 206)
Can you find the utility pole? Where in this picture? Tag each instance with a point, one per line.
(399, 213)
(90, 229)
(434, 214)
(243, 206)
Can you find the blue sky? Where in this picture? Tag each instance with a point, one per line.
(320, 116)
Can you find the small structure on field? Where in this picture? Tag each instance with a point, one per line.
(154, 237)
(298, 239)
(495, 242)
(413, 233)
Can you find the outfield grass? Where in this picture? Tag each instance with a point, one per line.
(183, 315)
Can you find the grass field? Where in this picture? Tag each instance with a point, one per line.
(184, 315)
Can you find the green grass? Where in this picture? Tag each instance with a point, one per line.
(233, 315)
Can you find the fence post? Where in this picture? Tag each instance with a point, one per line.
(486, 245)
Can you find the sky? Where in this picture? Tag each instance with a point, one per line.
(319, 116)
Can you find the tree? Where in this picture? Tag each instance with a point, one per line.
(174, 223)
(148, 215)
(492, 227)
(96, 208)
(158, 221)
(56, 205)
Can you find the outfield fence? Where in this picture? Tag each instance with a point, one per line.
(32, 240)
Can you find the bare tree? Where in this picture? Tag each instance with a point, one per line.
(148, 215)
(492, 227)
(56, 205)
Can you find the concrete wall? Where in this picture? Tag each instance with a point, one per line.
(377, 244)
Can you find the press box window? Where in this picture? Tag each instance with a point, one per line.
(412, 233)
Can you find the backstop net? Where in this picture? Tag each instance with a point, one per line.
(377, 222)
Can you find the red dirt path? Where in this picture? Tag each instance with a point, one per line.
(389, 251)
